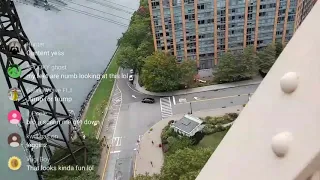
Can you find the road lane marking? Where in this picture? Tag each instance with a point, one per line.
(116, 119)
(133, 89)
(174, 100)
(116, 141)
(165, 107)
(215, 98)
(113, 152)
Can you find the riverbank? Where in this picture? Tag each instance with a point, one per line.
(97, 100)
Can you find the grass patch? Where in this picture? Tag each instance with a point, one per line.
(100, 99)
(212, 140)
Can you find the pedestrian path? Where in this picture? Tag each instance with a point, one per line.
(149, 156)
(165, 107)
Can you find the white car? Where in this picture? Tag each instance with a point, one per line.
(131, 71)
(131, 78)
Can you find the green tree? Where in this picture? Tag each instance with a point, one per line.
(188, 70)
(135, 34)
(128, 57)
(267, 57)
(93, 158)
(183, 161)
(176, 143)
(146, 47)
(190, 175)
(246, 64)
(160, 73)
(227, 69)
(279, 48)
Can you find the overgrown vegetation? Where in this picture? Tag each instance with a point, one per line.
(218, 124)
(161, 72)
(184, 156)
(92, 160)
(158, 71)
(100, 99)
(245, 65)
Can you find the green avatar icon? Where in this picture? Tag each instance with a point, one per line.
(14, 71)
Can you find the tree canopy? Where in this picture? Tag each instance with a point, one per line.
(279, 48)
(188, 70)
(185, 163)
(135, 34)
(227, 69)
(93, 158)
(127, 57)
(267, 58)
(160, 73)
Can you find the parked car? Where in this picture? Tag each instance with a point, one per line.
(131, 71)
(148, 100)
(131, 78)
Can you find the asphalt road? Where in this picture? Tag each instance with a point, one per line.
(212, 99)
(135, 118)
(86, 47)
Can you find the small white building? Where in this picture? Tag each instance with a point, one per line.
(188, 125)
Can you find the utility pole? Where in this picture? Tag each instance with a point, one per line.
(190, 108)
(37, 95)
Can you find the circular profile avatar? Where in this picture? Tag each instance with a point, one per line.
(14, 71)
(14, 94)
(14, 117)
(14, 140)
(14, 163)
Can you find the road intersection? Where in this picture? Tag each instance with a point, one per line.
(135, 118)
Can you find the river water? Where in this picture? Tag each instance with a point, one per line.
(67, 42)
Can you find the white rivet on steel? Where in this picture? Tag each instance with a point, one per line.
(281, 143)
(289, 82)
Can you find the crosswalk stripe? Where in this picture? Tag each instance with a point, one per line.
(165, 107)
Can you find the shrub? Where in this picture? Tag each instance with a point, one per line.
(208, 118)
(208, 129)
(197, 138)
(166, 133)
(233, 116)
(176, 143)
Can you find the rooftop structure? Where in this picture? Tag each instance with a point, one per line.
(188, 125)
(276, 135)
(203, 30)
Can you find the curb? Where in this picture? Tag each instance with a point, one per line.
(105, 70)
(184, 93)
(106, 109)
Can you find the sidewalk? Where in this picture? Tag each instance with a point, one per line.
(148, 152)
(254, 81)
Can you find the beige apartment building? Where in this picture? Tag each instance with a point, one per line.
(202, 30)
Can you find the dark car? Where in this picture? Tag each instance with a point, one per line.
(148, 100)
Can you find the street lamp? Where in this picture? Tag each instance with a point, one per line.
(190, 108)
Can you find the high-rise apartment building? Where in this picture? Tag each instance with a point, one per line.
(203, 30)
